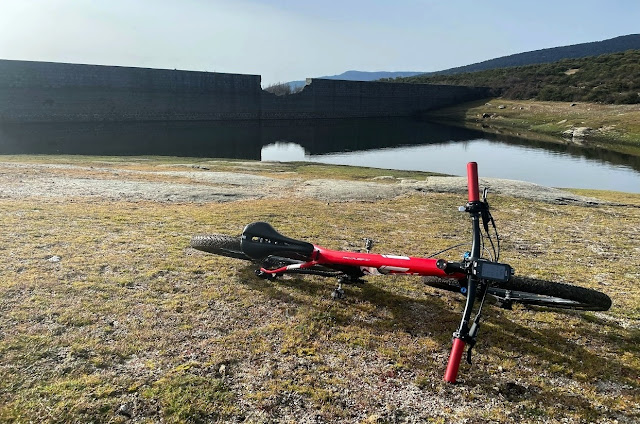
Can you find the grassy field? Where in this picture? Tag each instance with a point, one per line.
(613, 127)
(106, 314)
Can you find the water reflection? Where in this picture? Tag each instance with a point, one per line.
(496, 159)
(386, 139)
(231, 139)
(238, 140)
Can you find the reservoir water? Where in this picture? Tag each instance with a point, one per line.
(398, 143)
(495, 159)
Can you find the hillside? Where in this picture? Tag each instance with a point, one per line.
(554, 54)
(611, 78)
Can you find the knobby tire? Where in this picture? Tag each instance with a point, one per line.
(531, 291)
(219, 244)
(229, 246)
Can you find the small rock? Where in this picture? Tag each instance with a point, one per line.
(223, 370)
(578, 132)
(125, 410)
(581, 132)
(486, 115)
(408, 181)
(573, 104)
(54, 258)
(562, 122)
(502, 107)
(513, 391)
(384, 177)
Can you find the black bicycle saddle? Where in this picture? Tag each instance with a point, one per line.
(260, 240)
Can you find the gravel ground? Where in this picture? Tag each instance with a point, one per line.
(20, 180)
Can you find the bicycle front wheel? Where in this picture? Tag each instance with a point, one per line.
(219, 244)
(531, 291)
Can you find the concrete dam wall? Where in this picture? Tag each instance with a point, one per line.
(61, 92)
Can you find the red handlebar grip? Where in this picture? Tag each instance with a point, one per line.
(454, 361)
(472, 182)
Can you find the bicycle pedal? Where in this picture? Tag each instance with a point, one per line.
(368, 244)
(505, 304)
(337, 293)
(265, 275)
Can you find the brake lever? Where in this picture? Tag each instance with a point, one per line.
(469, 353)
(485, 210)
(473, 333)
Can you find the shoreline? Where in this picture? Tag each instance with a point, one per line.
(610, 127)
(217, 180)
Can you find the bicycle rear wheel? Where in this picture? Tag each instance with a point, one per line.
(229, 246)
(219, 244)
(531, 291)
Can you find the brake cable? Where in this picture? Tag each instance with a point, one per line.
(473, 331)
(486, 219)
(446, 250)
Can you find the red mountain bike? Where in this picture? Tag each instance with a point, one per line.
(474, 276)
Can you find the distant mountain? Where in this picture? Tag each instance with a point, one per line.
(596, 48)
(370, 76)
(554, 54)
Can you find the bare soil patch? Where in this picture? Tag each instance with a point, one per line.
(20, 180)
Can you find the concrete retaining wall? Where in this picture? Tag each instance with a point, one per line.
(323, 98)
(60, 92)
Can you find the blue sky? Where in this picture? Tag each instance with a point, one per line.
(285, 40)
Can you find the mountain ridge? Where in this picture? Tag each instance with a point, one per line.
(552, 54)
(533, 57)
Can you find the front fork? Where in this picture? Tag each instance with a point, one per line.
(476, 288)
(466, 335)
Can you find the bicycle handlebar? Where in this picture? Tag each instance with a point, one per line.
(472, 182)
(461, 337)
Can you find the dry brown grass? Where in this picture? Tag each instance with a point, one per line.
(131, 316)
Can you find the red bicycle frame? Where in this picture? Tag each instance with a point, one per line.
(370, 264)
